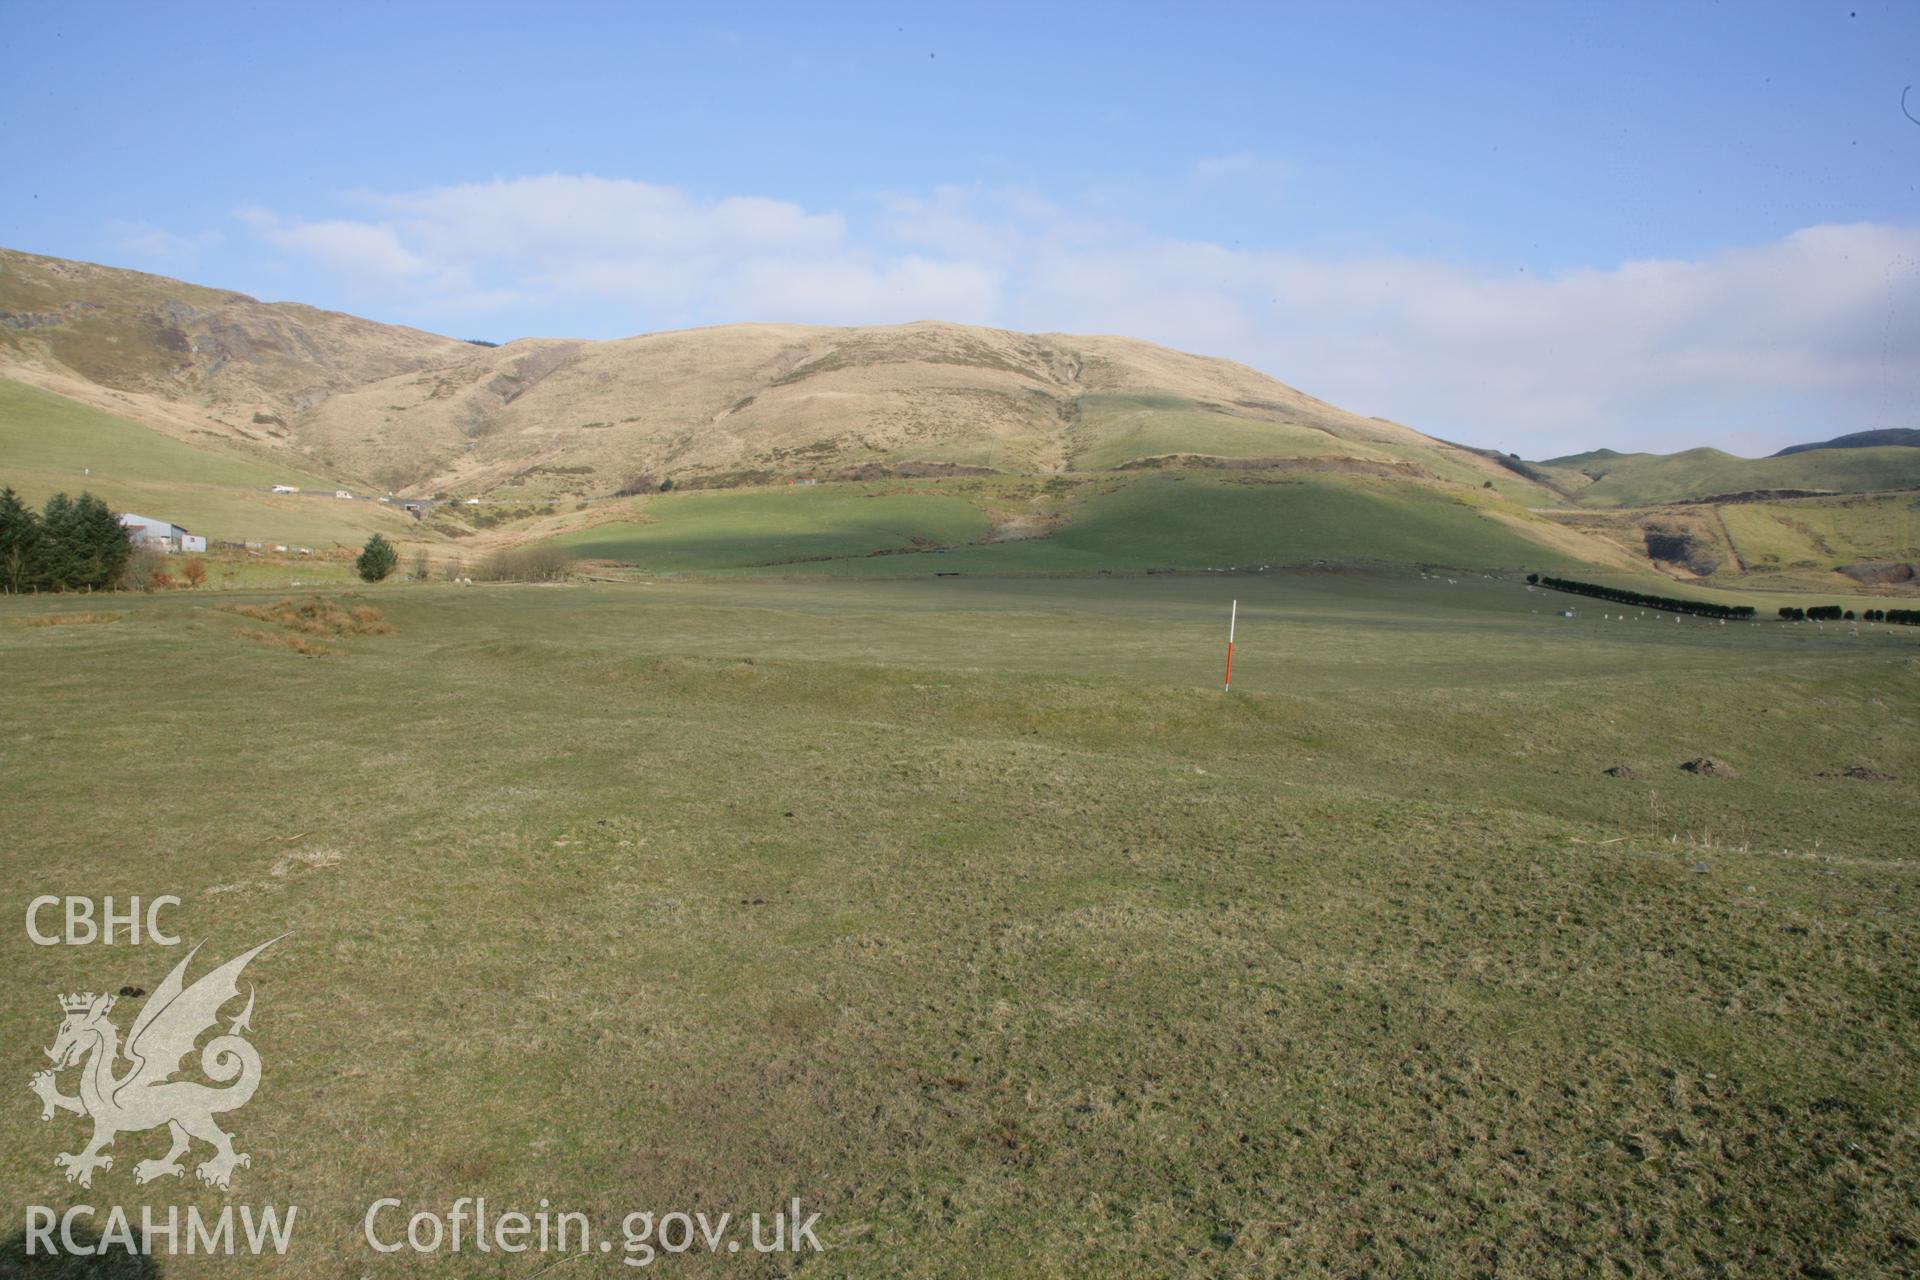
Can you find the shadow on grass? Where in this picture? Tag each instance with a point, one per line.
(115, 1264)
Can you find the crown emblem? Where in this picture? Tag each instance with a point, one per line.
(77, 1003)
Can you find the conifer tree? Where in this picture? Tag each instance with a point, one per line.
(19, 543)
(377, 559)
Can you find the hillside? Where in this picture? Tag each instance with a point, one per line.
(1603, 478)
(1010, 451)
(1175, 520)
(381, 404)
(751, 404)
(49, 443)
(195, 363)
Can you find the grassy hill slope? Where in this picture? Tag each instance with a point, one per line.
(1603, 478)
(49, 443)
(1152, 520)
(760, 403)
(721, 530)
(553, 418)
(202, 398)
(1826, 533)
(185, 359)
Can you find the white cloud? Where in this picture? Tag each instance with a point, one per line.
(567, 217)
(156, 246)
(1749, 348)
(1240, 167)
(361, 251)
(846, 292)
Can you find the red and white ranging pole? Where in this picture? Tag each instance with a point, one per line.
(1232, 619)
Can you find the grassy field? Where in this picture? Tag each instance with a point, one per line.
(971, 912)
(1823, 532)
(1183, 520)
(723, 529)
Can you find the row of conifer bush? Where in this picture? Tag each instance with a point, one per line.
(1834, 613)
(1671, 604)
(1706, 609)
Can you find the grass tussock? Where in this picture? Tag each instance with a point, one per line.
(297, 643)
(317, 617)
(66, 619)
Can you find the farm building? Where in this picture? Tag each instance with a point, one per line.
(145, 531)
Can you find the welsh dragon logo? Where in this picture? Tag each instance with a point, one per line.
(144, 1095)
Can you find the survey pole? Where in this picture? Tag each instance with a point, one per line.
(1232, 619)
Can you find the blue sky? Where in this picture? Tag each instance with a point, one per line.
(1541, 227)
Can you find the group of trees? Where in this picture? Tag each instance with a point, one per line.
(148, 570)
(1834, 613)
(72, 544)
(527, 564)
(1671, 604)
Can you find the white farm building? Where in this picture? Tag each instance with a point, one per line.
(163, 535)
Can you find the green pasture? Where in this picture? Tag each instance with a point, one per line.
(726, 529)
(1824, 532)
(1153, 520)
(973, 913)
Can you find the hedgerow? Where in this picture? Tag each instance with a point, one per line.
(1618, 595)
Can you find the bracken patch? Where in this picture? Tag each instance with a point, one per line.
(296, 643)
(316, 617)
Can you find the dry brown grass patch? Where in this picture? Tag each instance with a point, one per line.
(297, 643)
(317, 617)
(304, 860)
(66, 619)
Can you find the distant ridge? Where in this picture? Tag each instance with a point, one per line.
(1860, 440)
(1590, 456)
